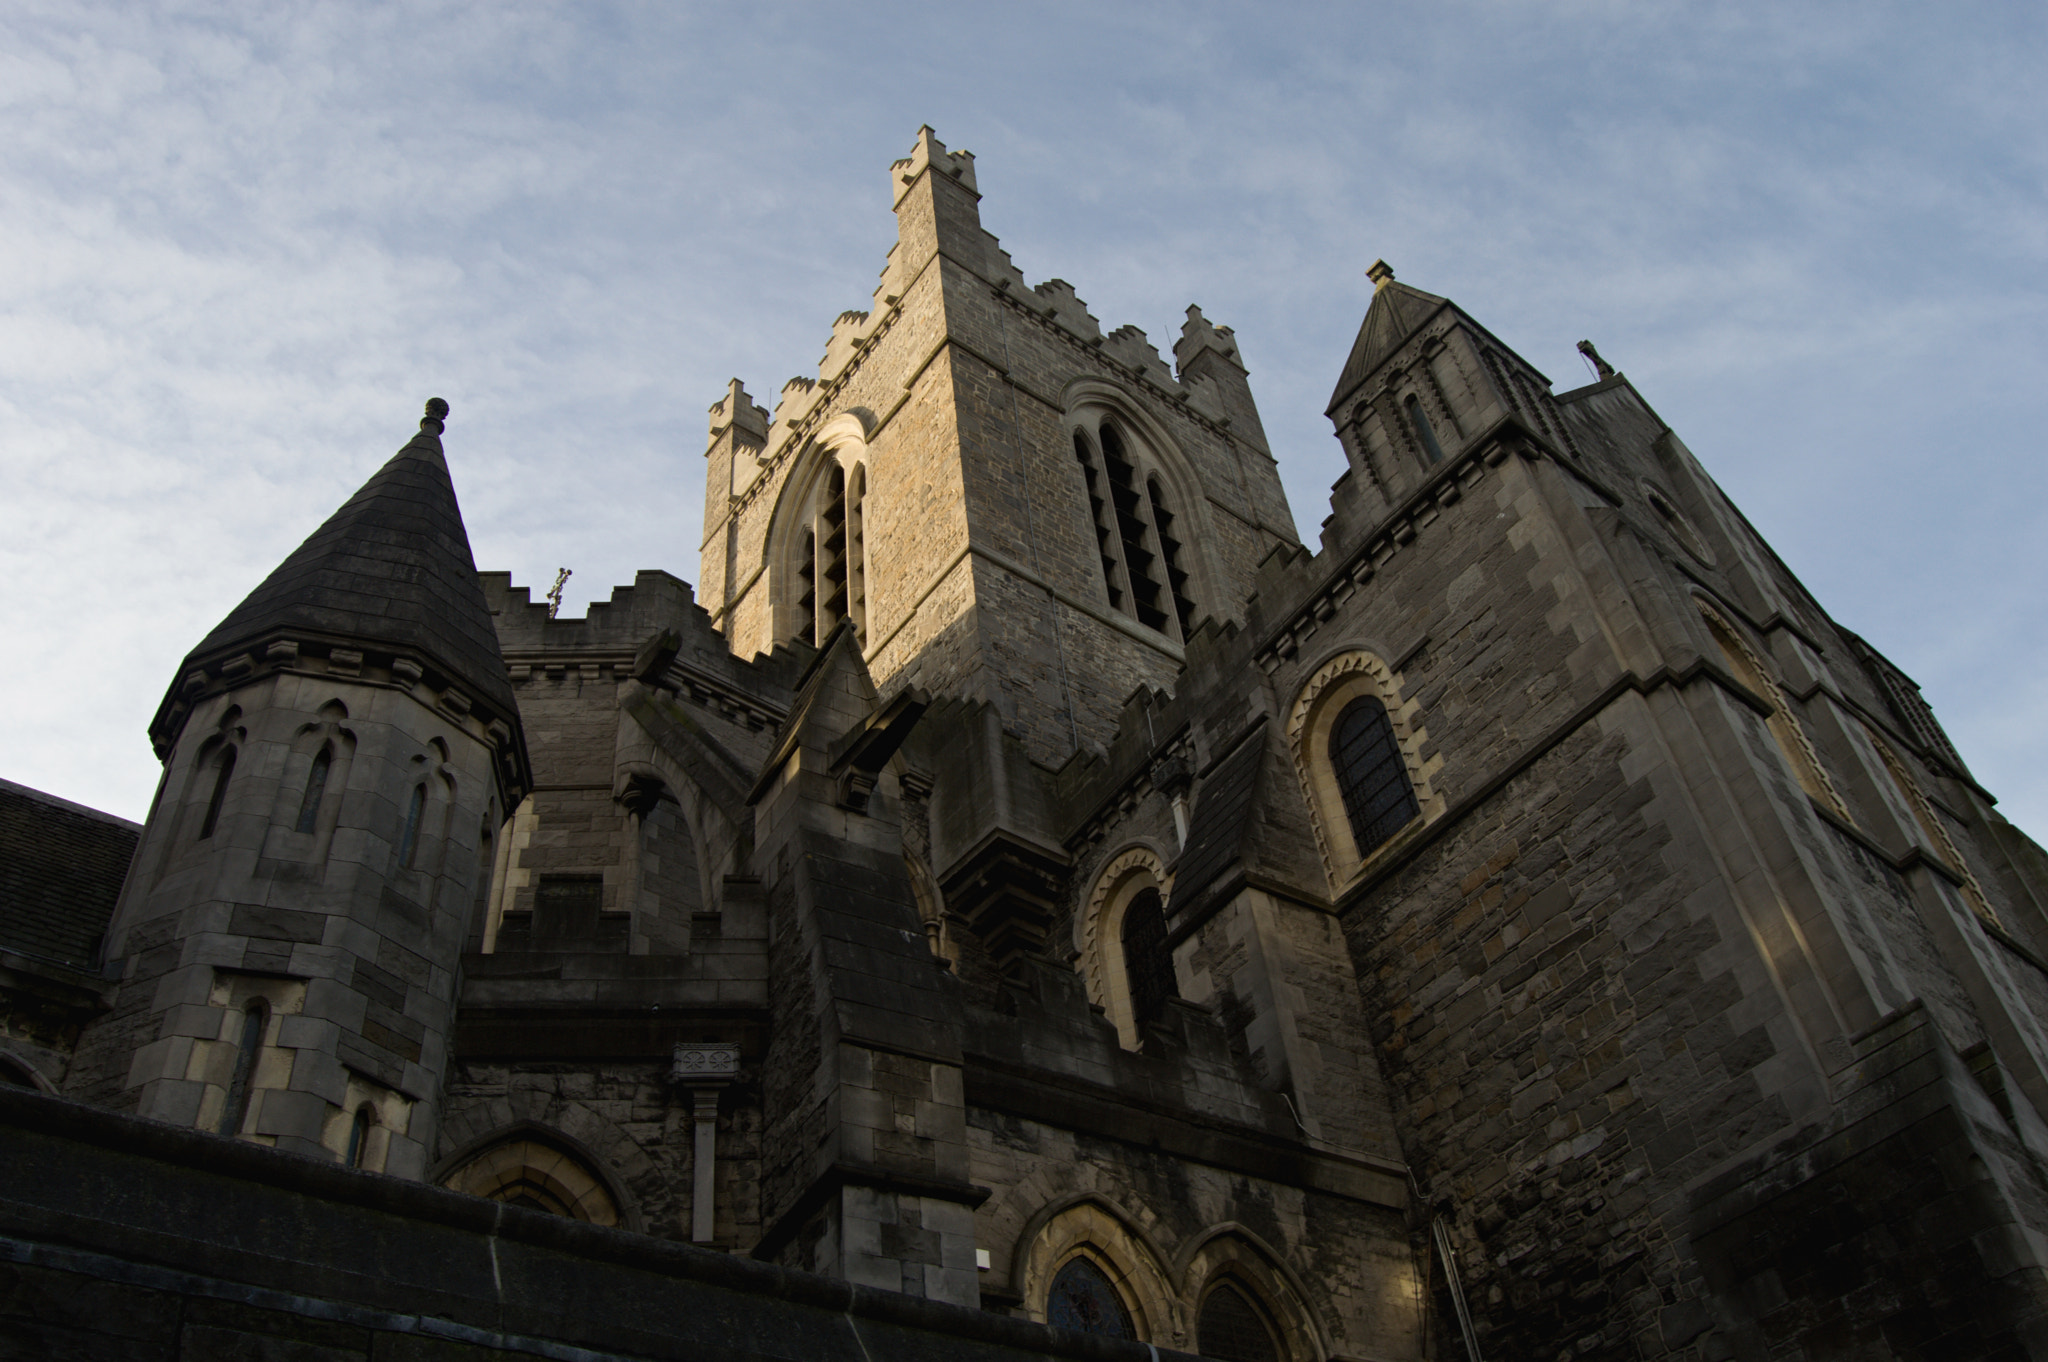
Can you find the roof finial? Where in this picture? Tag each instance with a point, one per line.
(1381, 274)
(437, 414)
(1601, 368)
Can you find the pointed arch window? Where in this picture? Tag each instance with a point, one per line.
(316, 790)
(1425, 436)
(1147, 961)
(249, 1048)
(409, 835)
(1232, 1329)
(1083, 1298)
(1372, 775)
(225, 772)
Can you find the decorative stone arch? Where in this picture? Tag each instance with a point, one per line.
(1785, 727)
(298, 803)
(1156, 457)
(1087, 1225)
(931, 909)
(16, 1071)
(1230, 1252)
(562, 1175)
(1932, 826)
(793, 550)
(1098, 932)
(1329, 689)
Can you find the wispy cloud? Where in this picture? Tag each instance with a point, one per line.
(245, 245)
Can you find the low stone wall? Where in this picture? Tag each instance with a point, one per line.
(126, 1238)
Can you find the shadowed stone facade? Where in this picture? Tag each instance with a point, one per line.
(1021, 875)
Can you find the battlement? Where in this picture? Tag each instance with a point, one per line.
(930, 152)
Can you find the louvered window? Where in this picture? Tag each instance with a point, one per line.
(1371, 774)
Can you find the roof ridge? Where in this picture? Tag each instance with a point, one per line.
(45, 797)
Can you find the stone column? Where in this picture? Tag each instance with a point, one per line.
(704, 1070)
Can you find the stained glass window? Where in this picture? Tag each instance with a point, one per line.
(1371, 773)
(1233, 1330)
(1082, 1298)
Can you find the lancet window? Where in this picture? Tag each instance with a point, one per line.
(1147, 961)
(316, 789)
(1425, 435)
(249, 1049)
(223, 773)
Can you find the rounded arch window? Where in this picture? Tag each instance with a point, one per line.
(1083, 1298)
(1356, 749)
(1372, 774)
(1122, 943)
(1232, 1328)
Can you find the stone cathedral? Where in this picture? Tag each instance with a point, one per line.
(1021, 875)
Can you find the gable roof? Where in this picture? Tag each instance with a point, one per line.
(391, 568)
(1396, 313)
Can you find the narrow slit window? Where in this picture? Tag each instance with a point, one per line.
(1371, 773)
(1148, 964)
(409, 836)
(359, 1136)
(1432, 452)
(220, 794)
(316, 790)
(236, 1109)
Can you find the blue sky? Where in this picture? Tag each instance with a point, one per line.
(239, 249)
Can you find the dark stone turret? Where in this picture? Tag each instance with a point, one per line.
(390, 571)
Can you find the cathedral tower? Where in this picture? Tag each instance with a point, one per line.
(339, 754)
(1007, 504)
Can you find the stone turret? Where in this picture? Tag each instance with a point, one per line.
(339, 755)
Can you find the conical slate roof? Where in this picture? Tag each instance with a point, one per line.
(1397, 311)
(391, 570)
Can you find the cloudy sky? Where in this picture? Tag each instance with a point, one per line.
(240, 248)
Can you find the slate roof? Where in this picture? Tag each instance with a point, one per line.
(61, 867)
(1396, 313)
(1224, 819)
(390, 569)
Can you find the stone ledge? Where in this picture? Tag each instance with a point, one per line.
(120, 1198)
